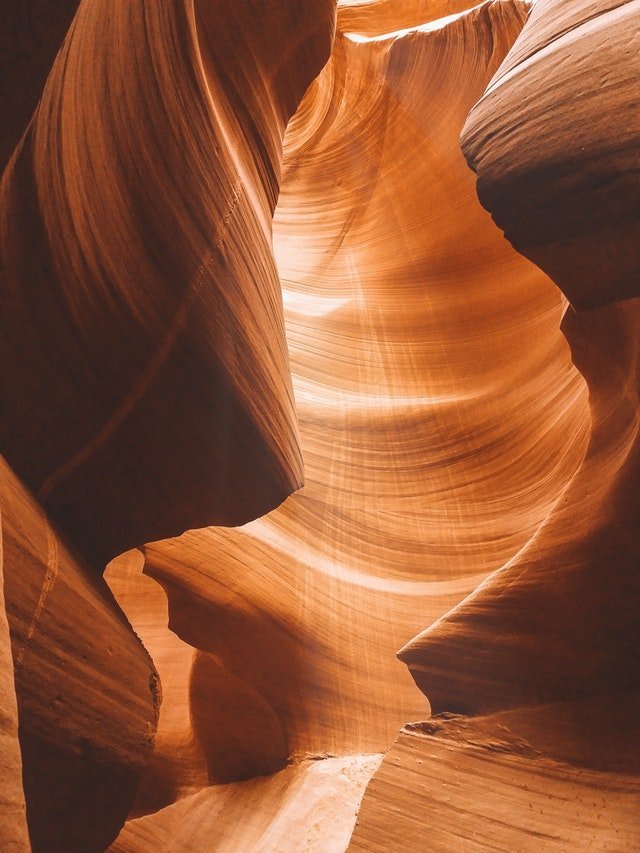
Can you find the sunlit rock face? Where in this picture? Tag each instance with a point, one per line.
(549, 645)
(310, 805)
(560, 622)
(428, 463)
(244, 256)
(13, 824)
(145, 379)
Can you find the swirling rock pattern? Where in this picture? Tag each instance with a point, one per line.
(13, 824)
(143, 354)
(470, 442)
(560, 622)
(556, 629)
(87, 692)
(398, 337)
(554, 141)
(140, 309)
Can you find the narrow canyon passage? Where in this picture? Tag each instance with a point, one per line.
(434, 442)
(320, 329)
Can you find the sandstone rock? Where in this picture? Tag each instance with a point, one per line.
(13, 824)
(460, 784)
(87, 692)
(143, 354)
(30, 37)
(222, 255)
(554, 141)
(310, 806)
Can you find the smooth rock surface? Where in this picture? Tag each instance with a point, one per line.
(477, 785)
(224, 256)
(427, 464)
(143, 353)
(13, 823)
(87, 691)
(554, 141)
(310, 806)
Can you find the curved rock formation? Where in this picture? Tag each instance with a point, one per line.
(497, 783)
(551, 642)
(554, 141)
(140, 310)
(143, 355)
(173, 345)
(30, 37)
(310, 806)
(560, 622)
(87, 692)
(420, 450)
(13, 824)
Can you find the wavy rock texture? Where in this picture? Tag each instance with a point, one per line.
(470, 465)
(140, 311)
(310, 806)
(30, 36)
(167, 317)
(87, 692)
(560, 622)
(556, 629)
(460, 784)
(13, 824)
(421, 452)
(555, 143)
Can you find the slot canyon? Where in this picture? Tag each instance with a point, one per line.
(319, 426)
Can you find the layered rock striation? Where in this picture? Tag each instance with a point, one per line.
(144, 360)
(241, 247)
(548, 646)
(140, 310)
(427, 463)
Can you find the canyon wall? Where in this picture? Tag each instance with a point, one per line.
(353, 430)
(545, 651)
(145, 379)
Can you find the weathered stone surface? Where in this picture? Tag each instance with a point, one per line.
(554, 141)
(87, 691)
(499, 783)
(13, 824)
(143, 353)
(220, 258)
